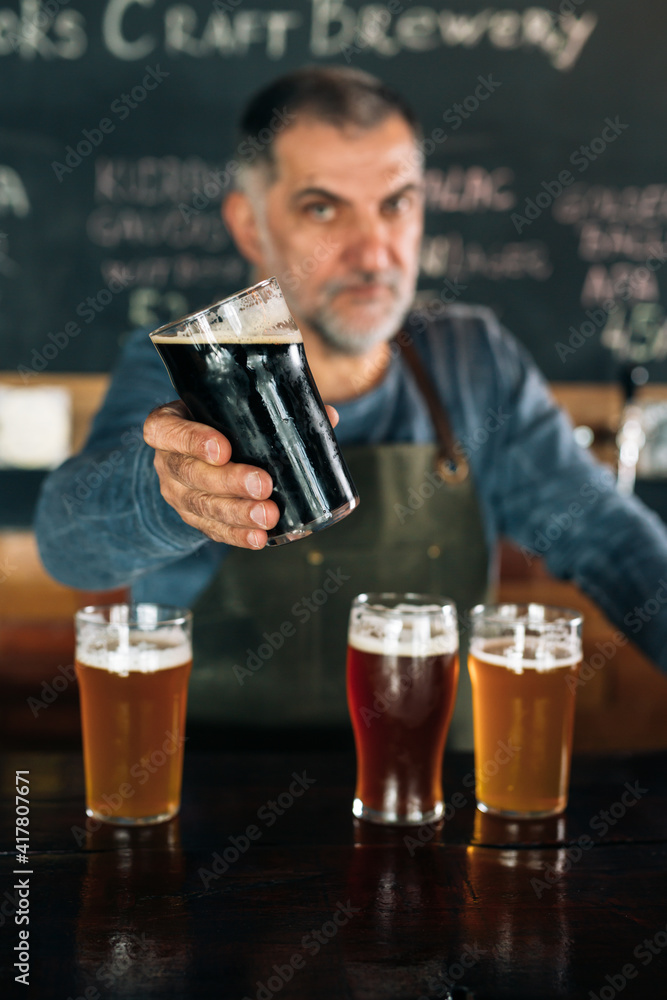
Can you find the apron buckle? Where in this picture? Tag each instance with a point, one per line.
(452, 471)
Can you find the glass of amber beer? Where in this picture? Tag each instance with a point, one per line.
(523, 665)
(402, 673)
(133, 663)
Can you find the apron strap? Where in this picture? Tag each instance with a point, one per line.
(451, 462)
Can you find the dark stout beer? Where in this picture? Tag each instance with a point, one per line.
(240, 367)
(262, 397)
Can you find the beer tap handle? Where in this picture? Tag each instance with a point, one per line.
(630, 438)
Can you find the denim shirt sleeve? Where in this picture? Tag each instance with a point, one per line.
(101, 521)
(540, 489)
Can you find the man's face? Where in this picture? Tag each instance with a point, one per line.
(340, 225)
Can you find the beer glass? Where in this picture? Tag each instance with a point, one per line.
(133, 663)
(402, 672)
(240, 367)
(523, 665)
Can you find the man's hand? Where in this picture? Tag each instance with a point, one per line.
(225, 500)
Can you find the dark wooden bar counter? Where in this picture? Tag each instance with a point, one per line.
(265, 886)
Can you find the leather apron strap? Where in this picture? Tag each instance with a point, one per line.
(451, 462)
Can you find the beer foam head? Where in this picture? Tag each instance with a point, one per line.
(124, 652)
(257, 315)
(413, 635)
(533, 653)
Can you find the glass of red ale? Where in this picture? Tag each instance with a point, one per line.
(523, 663)
(132, 664)
(402, 673)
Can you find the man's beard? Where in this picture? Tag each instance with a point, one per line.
(339, 333)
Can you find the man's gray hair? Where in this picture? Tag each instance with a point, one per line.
(338, 95)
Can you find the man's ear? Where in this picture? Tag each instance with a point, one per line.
(238, 215)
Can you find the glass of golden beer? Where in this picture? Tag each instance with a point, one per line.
(523, 665)
(133, 663)
(402, 674)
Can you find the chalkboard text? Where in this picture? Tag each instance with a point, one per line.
(13, 195)
(336, 28)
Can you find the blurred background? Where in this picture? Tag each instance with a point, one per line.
(545, 134)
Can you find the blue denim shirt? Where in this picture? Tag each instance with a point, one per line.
(102, 522)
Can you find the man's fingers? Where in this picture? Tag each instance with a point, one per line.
(243, 538)
(177, 407)
(230, 511)
(168, 428)
(333, 414)
(228, 520)
(231, 480)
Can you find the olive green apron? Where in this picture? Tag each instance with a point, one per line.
(270, 630)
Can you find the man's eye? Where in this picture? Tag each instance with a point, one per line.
(321, 211)
(396, 206)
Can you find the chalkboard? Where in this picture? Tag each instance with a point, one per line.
(545, 133)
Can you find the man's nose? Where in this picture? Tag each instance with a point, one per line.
(369, 246)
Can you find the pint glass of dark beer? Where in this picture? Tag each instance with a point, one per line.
(133, 663)
(402, 673)
(523, 665)
(240, 367)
